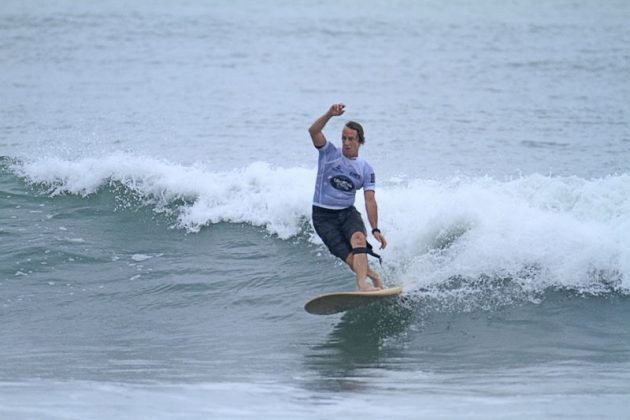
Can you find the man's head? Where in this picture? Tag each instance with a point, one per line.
(351, 138)
(353, 125)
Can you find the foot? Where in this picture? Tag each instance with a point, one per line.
(376, 280)
(364, 286)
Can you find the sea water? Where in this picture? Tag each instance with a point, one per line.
(156, 177)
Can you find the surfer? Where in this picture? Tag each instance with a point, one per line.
(340, 173)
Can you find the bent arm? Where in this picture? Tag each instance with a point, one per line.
(372, 212)
(315, 130)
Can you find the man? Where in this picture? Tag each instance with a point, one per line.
(340, 173)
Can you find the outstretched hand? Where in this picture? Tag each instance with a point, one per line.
(337, 109)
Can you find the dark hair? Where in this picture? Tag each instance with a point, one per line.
(353, 125)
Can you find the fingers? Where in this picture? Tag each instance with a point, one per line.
(338, 109)
(382, 240)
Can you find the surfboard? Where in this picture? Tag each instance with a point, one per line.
(332, 303)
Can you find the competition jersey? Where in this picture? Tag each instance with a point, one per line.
(338, 178)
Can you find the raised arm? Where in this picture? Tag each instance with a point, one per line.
(319, 140)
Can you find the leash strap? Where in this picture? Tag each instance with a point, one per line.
(368, 250)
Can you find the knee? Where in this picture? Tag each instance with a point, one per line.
(358, 240)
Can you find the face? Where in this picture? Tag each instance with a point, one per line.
(350, 142)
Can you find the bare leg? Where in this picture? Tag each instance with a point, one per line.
(359, 264)
(376, 279)
(371, 274)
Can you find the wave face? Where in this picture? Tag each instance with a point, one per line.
(535, 231)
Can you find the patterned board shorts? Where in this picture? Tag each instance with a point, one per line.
(336, 227)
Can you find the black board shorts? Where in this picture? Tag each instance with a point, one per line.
(336, 228)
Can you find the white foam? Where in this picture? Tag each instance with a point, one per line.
(560, 231)
(540, 230)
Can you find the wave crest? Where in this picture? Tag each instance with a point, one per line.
(539, 231)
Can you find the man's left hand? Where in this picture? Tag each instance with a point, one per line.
(379, 237)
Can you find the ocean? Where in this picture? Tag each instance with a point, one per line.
(156, 178)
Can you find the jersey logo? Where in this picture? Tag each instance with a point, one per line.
(372, 178)
(342, 183)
